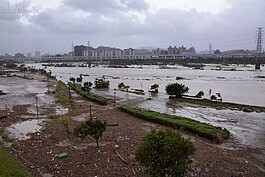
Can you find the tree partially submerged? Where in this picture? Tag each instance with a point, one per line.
(101, 83)
(94, 128)
(199, 94)
(176, 89)
(165, 153)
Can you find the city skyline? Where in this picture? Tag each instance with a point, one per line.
(51, 26)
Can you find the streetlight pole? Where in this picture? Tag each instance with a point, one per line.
(90, 112)
(114, 99)
(36, 98)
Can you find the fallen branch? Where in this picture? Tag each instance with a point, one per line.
(122, 159)
(115, 124)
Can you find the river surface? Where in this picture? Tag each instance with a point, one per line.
(240, 86)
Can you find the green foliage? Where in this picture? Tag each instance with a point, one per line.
(87, 95)
(15, 144)
(5, 136)
(94, 128)
(101, 83)
(10, 166)
(213, 97)
(165, 153)
(199, 94)
(176, 89)
(63, 95)
(65, 121)
(216, 134)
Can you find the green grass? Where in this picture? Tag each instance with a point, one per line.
(221, 105)
(5, 136)
(92, 97)
(10, 166)
(63, 95)
(216, 134)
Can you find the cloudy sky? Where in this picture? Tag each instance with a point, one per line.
(52, 25)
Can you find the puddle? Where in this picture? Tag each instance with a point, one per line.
(81, 117)
(20, 130)
(60, 110)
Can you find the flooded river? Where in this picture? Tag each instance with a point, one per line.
(240, 86)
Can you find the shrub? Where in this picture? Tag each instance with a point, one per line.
(101, 83)
(176, 89)
(165, 153)
(94, 128)
(213, 97)
(92, 97)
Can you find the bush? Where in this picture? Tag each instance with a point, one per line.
(94, 128)
(101, 83)
(199, 94)
(165, 153)
(176, 89)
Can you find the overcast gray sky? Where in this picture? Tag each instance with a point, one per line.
(52, 25)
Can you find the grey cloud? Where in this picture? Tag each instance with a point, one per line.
(108, 6)
(8, 12)
(108, 23)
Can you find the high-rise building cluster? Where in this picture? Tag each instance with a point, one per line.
(87, 51)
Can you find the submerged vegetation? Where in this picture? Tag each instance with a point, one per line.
(221, 105)
(90, 96)
(216, 134)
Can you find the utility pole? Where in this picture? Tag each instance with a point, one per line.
(259, 47)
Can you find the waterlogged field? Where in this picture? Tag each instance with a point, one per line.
(242, 85)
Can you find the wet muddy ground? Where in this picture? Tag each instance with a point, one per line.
(38, 150)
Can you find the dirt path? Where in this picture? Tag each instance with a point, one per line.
(118, 142)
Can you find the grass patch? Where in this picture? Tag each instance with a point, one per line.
(63, 95)
(216, 134)
(5, 136)
(10, 166)
(221, 105)
(92, 97)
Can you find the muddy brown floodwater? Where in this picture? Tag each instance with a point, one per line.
(45, 138)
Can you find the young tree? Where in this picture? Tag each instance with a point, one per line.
(176, 89)
(165, 153)
(65, 121)
(94, 128)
